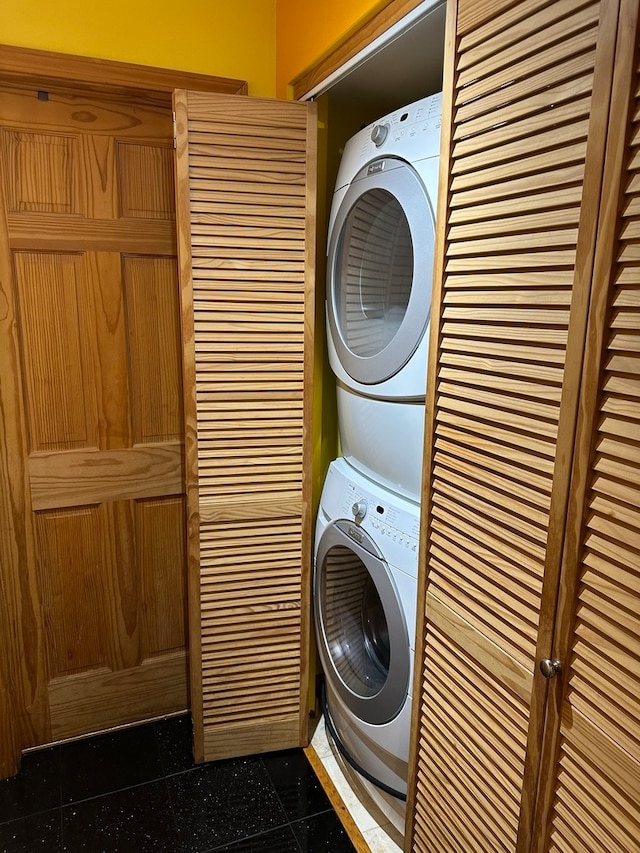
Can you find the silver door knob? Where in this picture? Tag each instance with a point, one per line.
(550, 668)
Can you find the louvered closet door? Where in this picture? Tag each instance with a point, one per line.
(523, 94)
(593, 800)
(246, 198)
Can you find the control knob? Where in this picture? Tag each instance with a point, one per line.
(379, 134)
(359, 510)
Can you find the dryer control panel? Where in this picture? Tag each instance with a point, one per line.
(420, 117)
(411, 133)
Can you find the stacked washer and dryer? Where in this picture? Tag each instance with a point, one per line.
(380, 267)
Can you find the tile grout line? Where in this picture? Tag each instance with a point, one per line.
(173, 810)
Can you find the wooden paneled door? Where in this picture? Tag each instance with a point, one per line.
(246, 229)
(92, 397)
(528, 92)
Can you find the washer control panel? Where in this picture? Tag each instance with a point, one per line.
(391, 521)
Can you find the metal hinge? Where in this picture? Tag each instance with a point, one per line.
(175, 129)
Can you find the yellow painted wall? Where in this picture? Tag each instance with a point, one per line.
(266, 42)
(305, 31)
(229, 39)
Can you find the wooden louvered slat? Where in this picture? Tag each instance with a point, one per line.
(495, 530)
(591, 805)
(508, 213)
(465, 733)
(514, 36)
(515, 231)
(236, 614)
(594, 803)
(246, 175)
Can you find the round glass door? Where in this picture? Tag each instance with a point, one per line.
(363, 639)
(374, 272)
(380, 271)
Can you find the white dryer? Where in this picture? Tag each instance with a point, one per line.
(379, 276)
(365, 595)
(380, 253)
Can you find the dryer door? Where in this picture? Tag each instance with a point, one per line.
(380, 270)
(362, 633)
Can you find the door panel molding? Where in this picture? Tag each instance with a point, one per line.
(77, 477)
(89, 699)
(47, 232)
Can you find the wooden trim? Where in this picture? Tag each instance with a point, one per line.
(311, 182)
(434, 344)
(183, 223)
(610, 190)
(107, 74)
(9, 746)
(351, 44)
(326, 782)
(10, 541)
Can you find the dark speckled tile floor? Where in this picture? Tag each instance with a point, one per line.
(138, 791)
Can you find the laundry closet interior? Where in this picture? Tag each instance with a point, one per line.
(383, 119)
(525, 723)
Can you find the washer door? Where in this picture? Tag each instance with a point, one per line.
(362, 633)
(380, 270)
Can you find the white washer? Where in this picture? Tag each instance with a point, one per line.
(365, 596)
(379, 276)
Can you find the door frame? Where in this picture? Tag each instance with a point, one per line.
(337, 62)
(23, 659)
(104, 76)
